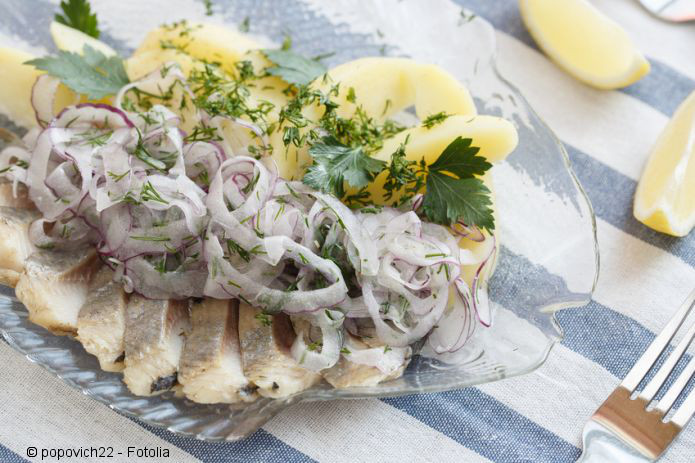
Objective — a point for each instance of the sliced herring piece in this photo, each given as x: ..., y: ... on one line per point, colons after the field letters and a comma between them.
x: 154, y: 338
x: 265, y: 352
x: 210, y: 370
x: 101, y: 321
x: 15, y: 246
x: 347, y: 373
x: 54, y: 286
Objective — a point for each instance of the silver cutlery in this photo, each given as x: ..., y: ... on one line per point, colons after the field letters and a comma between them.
x: 671, y: 10
x: 627, y: 430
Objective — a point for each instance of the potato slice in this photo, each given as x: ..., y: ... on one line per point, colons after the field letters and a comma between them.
x: 16, y: 82
x: 207, y: 42
x: 386, y: 86
x: 496, y: 138
x: 69, y: 39
x: 383, y: 87
x: 141, y: 64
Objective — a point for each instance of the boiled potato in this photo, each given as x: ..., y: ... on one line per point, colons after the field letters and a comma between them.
x: 496, y: 138
x: 141, y: 64
x: 69, y: 39
x: 385, y: 87
x: 207, y: 42
x: 16, y: 82
x: 400, y: 82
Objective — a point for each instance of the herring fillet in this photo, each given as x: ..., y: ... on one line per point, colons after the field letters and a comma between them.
x: 54, y: 286
x: 15, y: 245
x: 154, y: 338
x: 346, y: 374
x: 265, y: 353
x: 210, y: 369
x: 101, y: 321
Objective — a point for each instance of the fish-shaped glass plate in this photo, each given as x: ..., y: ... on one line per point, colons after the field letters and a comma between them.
x: 548, y: 259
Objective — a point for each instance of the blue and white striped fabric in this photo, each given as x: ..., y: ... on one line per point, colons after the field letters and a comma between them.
x: 534, y: 418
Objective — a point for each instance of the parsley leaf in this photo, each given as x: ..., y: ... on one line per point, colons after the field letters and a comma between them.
x: 449, y: 199
x: 293, y: 68
x: 452, y: 191
x: 208, y: 7
x: 93, y: 74
x: 335, y: 163
x: 78, y: 15
x: 461, y: 159
x: 245, y: 25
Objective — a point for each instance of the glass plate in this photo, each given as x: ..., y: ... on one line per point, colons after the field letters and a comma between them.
x: 548, y: 259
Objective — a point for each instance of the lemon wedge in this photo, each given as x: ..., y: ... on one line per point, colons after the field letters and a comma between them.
x: 69, y: 39
x: 665, y: 197
x: 584, y: 42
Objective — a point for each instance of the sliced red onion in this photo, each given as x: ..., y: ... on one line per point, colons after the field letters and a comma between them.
x: 331, y: 343
x: 403, y: 337
x: 481, y: 302
x: 130, y: 185
x: 472, y: 233
x: 368, y: 263
x: 43, y: 98
x: 94, y: 114
x: 387, y: 360
x: 456, y: 326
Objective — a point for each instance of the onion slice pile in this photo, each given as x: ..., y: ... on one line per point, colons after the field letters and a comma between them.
x: 178, y: 219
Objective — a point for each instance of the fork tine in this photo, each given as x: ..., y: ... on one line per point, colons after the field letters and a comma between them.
x: 686, y: 411
x: 660, y: 377
x: 676, y: 388
x: 644, y: 364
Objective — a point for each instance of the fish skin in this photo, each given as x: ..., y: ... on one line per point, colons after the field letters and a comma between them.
x: 154, y: 337
x: 20, y: 201
x: 210, y: 369
x: 54, y: 286
x: 346, y: 374
x: 265, y: 353
x: 101, y: 321
x: 15, y: 245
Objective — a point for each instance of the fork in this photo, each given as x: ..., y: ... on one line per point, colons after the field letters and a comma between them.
x: 671, y: 10
x: 626, y: 430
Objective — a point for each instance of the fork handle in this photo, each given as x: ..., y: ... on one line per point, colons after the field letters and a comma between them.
x: 601, y: 446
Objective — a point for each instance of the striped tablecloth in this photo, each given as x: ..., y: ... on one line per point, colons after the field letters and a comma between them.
x: 534, y: 418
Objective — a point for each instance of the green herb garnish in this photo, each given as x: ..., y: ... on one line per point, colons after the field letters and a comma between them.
x: 93, y: 74
x: 149, y: 193
x: 245, y: 24
x: 452, y: 191
x: 435, y: 119
x: 234, y: 248
x: 118, y: 177
x: 78, y: 15
x: 263, y: 318
x: 151, y: 238
x: 293, y: 68
x: 335, y: 163
x: 314, y: 346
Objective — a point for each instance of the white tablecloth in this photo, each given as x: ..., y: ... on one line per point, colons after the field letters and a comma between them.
x: 537, y: 417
